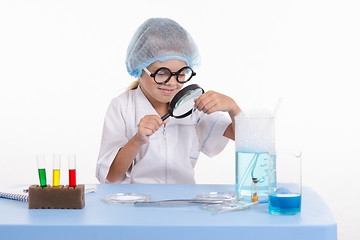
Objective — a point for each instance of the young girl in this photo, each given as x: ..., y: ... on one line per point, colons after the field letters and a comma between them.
x: 137, y: 146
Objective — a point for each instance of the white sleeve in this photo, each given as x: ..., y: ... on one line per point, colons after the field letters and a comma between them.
x: 210, y: 130
x: 113, y: 139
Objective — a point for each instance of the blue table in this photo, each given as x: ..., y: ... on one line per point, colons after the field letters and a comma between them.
x: 100, y: 220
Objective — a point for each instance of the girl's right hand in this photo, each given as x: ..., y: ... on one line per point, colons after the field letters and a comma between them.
x: 147, y: 126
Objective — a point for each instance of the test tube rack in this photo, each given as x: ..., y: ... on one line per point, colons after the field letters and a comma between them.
x: 61, y: 197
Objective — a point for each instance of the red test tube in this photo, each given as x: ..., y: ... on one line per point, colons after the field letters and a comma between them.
x: 72, y: 170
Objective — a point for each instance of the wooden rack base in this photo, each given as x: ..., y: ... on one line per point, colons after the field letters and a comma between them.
x: 62, y: 197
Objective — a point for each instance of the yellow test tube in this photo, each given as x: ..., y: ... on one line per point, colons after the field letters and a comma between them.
x: 56, y: 170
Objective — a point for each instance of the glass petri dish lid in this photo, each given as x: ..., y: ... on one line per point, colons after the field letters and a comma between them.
x: 227, y: 207
x: 222, y: 196
x: 126, y: 198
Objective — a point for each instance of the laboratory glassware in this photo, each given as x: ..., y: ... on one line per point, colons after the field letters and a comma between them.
x: 254, y: 139
x: 285, y: 182
x: 56, y: 169
x: 40, y: 158
x: 72, y: 170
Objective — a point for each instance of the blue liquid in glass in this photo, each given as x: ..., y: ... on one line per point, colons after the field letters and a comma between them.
x: 287, y: 203
x: 249, y: 165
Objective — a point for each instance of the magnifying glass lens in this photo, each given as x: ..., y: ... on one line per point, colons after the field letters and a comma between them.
x: 186, y: 103
x: 183, y: 102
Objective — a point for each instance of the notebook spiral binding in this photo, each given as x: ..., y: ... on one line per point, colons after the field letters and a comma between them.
x: 15, y: 196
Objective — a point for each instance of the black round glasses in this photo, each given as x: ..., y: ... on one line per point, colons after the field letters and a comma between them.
x: 163, y: 75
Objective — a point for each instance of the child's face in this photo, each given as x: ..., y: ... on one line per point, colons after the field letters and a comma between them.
x: 157, y: 93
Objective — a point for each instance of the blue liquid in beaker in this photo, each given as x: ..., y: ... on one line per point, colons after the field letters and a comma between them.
x: 248, y: 166
x: 284, y: 203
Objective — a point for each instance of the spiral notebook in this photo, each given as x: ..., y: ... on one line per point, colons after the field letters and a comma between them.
x: 16, y: 193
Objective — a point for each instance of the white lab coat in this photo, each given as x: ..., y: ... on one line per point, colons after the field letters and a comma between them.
x: 172, y: 151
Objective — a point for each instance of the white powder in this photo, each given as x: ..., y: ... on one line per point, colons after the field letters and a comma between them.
x: 255, y: 132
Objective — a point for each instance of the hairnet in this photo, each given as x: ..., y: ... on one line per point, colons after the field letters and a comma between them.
x: 160, y: 39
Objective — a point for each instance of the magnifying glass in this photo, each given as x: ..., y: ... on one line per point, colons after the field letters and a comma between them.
x: 182, y: 103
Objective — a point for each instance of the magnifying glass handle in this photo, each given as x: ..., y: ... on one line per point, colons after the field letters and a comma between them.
x: 163, y: 118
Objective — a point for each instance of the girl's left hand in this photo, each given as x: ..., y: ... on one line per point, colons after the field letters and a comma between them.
x: 212, y: 101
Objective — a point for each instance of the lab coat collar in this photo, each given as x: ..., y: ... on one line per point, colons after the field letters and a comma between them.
x: 143, y: 107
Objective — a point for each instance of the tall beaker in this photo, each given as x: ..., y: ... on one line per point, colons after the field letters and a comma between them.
x: 254, y: 140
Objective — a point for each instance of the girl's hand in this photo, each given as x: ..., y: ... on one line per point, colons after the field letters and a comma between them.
x: 211, y: 101
x: 147, y: 126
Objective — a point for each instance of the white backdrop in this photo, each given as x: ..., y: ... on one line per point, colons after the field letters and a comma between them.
x: 61, y: 62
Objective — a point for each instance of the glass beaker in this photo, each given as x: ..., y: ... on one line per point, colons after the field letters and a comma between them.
x: 254, y: 139
x: 285, y: 182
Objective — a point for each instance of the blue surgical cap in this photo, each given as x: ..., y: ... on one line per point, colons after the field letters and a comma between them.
x: 160, y: 39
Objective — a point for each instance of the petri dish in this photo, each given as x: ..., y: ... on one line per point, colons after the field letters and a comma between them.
x: 222, y: 196
x: 227, y: 207
x: 126, y: 198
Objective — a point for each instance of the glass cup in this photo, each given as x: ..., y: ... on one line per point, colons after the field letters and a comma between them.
x: 285, y: 182
x: 254, y: 139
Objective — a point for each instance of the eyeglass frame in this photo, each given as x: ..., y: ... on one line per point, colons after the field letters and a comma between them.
x: 171, y: 74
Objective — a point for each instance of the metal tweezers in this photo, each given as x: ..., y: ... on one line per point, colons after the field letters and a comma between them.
x: 177, y: 203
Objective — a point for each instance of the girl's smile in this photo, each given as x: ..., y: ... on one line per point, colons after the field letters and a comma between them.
x: 167, y: 91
